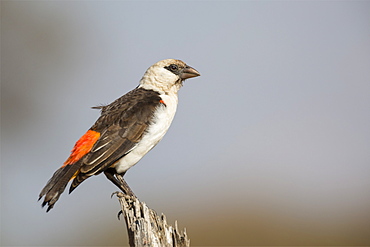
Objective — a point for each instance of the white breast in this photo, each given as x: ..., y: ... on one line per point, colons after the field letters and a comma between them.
x: 163, y: 117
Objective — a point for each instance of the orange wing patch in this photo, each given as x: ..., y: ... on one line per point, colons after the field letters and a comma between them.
x: 82, y: 146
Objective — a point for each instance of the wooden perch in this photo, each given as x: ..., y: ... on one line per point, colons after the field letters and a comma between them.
x: 146, y: 228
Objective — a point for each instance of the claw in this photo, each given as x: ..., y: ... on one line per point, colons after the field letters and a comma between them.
x: 119, y: 194
x: 119, y: 214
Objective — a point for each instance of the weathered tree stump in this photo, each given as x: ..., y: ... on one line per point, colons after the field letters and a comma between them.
x: 146, y: 228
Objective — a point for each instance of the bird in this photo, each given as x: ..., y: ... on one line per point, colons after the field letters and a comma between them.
x: 125, y: 131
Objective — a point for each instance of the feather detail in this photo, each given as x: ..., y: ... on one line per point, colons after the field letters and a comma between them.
x: 82, y: 147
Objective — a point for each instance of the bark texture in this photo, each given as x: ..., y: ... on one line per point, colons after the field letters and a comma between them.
x: 146, y: 228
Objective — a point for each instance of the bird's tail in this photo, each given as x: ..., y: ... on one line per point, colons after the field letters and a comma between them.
x: 57, y: 184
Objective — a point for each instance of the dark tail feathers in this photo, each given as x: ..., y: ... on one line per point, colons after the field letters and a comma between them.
x: 57, y: 184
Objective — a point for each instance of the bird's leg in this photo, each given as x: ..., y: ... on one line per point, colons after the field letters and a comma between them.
x: 125, y: 185
x: 118, y: 180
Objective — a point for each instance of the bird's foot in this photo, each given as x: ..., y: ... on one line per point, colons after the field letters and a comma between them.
x: 119, y: 194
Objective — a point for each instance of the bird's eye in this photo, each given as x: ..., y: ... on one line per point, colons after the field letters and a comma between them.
x: 173, y: 67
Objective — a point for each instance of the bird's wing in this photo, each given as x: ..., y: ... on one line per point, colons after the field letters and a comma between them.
x: 114, y: 143
x: 120, y: 127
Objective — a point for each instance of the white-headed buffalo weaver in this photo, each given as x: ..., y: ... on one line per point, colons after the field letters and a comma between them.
x: 127, y: 129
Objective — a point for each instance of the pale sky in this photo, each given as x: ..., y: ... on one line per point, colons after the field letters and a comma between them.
x: 269, y: 146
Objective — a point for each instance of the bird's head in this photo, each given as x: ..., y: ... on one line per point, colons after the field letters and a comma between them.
x: 167, y: 75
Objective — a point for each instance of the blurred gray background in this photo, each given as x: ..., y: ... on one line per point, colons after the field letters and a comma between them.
x: 270, y: 146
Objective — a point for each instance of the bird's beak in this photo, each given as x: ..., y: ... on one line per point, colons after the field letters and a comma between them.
x: 188, y: 72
